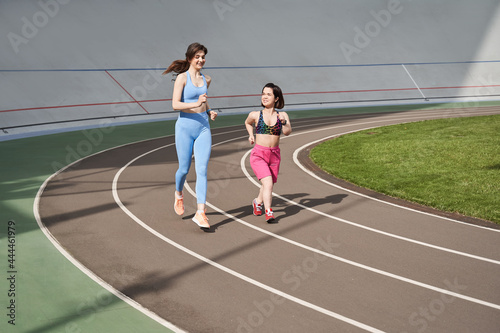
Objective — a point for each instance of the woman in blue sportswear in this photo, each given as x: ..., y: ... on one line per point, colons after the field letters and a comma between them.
x: 192, y: 131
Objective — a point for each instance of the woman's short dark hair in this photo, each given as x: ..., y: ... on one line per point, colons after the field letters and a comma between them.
x: 280, y: 103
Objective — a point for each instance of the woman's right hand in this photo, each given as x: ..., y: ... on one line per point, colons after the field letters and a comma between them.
x: 251, y: 139
x: 202, y: 99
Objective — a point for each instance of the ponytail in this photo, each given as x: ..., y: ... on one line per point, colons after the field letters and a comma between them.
x: 177, y: 66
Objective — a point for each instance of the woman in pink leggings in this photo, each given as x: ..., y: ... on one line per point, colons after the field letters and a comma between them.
x: 265, y: 157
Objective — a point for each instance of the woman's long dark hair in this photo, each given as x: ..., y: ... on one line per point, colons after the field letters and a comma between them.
x: 180, y: 66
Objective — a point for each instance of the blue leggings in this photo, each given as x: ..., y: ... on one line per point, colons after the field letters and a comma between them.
x: 192, y: 134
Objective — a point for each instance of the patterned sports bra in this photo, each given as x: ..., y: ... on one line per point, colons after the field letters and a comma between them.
x: 263, y: 128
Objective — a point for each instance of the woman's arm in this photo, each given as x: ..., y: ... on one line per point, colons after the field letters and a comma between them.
x: 287, y: 128
x: 249, y: 122
x: 212, y: 114
x: 209, y: 80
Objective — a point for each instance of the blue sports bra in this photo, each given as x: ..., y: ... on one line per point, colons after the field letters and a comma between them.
x: 191, y: 92
x: 263, y: 128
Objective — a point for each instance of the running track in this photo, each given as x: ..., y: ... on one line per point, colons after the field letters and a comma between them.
x: 335, y: 261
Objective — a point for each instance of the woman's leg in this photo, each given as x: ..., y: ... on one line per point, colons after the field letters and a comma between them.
x: 266, y: 192
x: 202, y: 150
x: 184, y: 147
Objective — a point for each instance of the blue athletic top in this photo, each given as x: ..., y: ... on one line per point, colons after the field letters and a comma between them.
x: 191, y: 92
x: 263, y: 128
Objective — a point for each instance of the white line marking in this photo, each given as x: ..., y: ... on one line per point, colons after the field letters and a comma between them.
x: 297, y: 162
x: 362, y: 195
x: 347, y: 261
x: 83, y: 268
x: 242, y: 163
x: 78, y: 264
x: 420, y: 284
x: 224, y: 268
x: 372, y: 269
x: 296, y: 152
x: 375, y: 270
x: 366, y: 196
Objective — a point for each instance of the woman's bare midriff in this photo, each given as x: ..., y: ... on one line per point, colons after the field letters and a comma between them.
x: 199, y: 109
x: 267, y: 140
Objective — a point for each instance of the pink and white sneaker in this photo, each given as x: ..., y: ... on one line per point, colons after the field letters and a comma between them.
x: 201, y: 219
x: 179, y: 204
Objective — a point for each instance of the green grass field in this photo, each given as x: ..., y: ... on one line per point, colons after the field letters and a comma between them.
x: 449, y: 164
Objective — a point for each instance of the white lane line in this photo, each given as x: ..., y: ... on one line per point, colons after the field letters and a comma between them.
x: 258, y: 284
x: 372, y: 269
x: 224, y: 268
x: 347, y: 261
x: 78, y: 264
x: 243, y: 167
x: 300, y: 165
x: 83, y: 268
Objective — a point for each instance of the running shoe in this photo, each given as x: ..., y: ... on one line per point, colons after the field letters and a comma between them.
x: 269, y: 215
x: 257, y: 208
x: 179, y: 205
x: 201, y: 219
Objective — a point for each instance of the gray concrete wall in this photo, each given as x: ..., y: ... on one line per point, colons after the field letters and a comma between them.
x: 67, y: 63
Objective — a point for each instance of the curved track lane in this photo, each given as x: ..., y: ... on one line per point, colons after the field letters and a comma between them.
x: 335, y: 261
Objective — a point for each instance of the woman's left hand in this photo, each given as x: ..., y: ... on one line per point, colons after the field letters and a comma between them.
x: 213, y: 114
x: 282, y: 119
